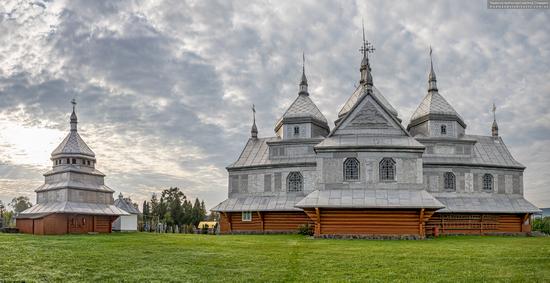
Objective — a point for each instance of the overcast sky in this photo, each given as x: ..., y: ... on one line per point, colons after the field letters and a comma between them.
x: 164, y: 88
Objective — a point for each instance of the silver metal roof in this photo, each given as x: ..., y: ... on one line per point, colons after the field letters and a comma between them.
x: 260, y: 203
x: 485, y: 203
x: 434, y: 103
x: 73, y: 144
x: 303, y: 107
x: 73, y: 207
x: 74, y: 185
x: 125, y: 205
x: 486, y: 151
x: 256, y: 152
x: 361, y: 198
x: 358, y: 93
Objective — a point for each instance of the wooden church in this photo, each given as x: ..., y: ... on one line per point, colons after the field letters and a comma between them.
x: 74, y: 197
x: 369, y: 176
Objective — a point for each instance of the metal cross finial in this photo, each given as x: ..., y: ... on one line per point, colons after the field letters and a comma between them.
x: 73, y: 102
x: 367, y: 46
x: 254, y: 112
x: 303, y: 61
x: 494, y: 111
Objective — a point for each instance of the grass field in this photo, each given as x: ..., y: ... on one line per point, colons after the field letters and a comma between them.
x: 179, y: 257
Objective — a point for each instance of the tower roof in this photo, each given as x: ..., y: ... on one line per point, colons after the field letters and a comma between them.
x: 302, y: 107
x: 73, y: 144
x: 358, y: 93
x: 434, y: 104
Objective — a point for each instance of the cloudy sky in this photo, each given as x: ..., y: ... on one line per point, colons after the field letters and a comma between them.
x: 164, y: 88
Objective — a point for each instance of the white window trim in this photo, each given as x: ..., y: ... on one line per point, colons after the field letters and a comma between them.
x: 246, y: 216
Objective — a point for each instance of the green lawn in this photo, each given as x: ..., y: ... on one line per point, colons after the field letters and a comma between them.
x: 178, y: 257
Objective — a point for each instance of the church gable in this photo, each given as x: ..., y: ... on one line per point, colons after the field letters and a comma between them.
x: 370, y: 118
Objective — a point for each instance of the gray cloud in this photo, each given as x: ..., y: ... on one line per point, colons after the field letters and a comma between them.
x: 165, y: 88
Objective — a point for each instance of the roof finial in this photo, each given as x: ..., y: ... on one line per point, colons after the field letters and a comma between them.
x: 494, y: 128
x: 303, y: 81
x: 432, y: 81
x: 254, y: 130
x: 366, y: 48
x: 74, y: 119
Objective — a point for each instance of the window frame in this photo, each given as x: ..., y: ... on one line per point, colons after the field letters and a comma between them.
x: 296, y: 130
x: 345, y: 171
x: 449, y: 184
x: 300, y: 181
x: 246, y: 216
x: 381, y: 174
x: 443, y: 129
x: 488, y: 182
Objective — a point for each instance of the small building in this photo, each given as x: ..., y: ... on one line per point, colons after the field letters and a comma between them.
x: 126, y: 223
x: 74, y: 197
x: 210, y: 225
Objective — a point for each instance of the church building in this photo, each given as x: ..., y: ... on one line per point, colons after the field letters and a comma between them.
x: 74, y: 197
x: 369, y: 176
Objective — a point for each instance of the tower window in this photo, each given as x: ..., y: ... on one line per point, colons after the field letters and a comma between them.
x: 487, y: 182
x: 74, y: 161
x: 296, y: 131
x: 68, y: 161
x: 387, y: 169
x: 295, y: 182
x: 443, y: 129
x: 449, y: 181
x: 351, y: 169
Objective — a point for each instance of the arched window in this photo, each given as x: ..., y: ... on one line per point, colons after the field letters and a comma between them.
x: 488, y: 182
x: 351, y: 169
x: 443, y: 129
x: 296, y: 130
x: 295, y: 182
x: 387, y: 169
x: 449, y: 181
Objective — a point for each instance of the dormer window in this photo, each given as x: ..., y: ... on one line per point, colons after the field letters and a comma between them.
x: 443, y: 129
x: 296, y: 130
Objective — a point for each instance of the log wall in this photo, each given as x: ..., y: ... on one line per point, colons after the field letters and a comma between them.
x: 478, y: 224
x: 369, y: 222
x: 263, y: 222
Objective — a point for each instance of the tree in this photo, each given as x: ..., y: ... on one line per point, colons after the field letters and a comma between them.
x: 20, y: 203
x: 2, y: 209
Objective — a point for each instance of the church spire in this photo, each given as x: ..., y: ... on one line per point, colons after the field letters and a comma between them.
x: 303, y: 81
x: 366, y: 74
x: 494, y: 128
x: 432, y: 81
x: 74, y: 119
x: 254, y: 130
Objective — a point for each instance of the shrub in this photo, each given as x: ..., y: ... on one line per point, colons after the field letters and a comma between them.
x: 542, y: 225
x: 306, y: 229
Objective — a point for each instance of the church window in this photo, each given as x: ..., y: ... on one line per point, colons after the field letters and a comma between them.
x: 351, y: 169
x: 295, y: 182
x: 449, y: 181
x: 443, y: 129
x: 488, y: 182
x: 68, y: 161
x: 247, y: 216
x: 387, y: 169
x: 88, y: 162
x: 296, y: 131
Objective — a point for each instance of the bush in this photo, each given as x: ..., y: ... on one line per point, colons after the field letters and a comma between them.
x: 542, y: 225
x: 306, y: 229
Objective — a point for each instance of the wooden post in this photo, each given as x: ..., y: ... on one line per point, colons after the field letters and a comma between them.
x: 228, y: 217
x: 318, y: 222
x: 261, y: 220
x: 523, y: 219
x: 420, y: 223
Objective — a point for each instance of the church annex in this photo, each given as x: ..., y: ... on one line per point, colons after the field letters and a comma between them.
x: 371, y: 177
x: 74, y: 197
